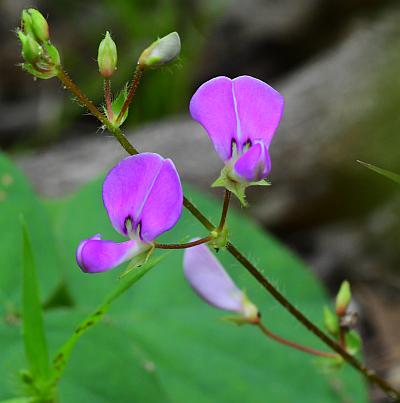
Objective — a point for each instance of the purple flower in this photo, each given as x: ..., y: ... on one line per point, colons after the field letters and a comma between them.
x: 143, y: 198
x: 210, y: 281
x: 240, y: 117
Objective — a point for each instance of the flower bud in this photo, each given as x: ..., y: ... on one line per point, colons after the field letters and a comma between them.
x: 161, y: 52
x: 331, y: 322
x: 343, y: 298
x: 26, y: 23
x: 39, y: 25
x: 31, y: 50
x: 107, y: 56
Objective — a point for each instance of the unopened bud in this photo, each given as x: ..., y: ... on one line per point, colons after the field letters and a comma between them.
x: 107, y: 56
x: 331, y: 321
x: 39, y: 25
x: 161, y: 52
x: 26, y: 23
x: 31, y: 50
x: 343, y: 298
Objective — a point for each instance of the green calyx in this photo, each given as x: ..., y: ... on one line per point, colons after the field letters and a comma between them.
x: 231, y: 182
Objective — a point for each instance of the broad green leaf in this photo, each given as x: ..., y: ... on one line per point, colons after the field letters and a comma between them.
x: 16, y: 198
x: 32, y: 317
x: 198, y: 357
x: 63, y: 355
x: 388, y: 174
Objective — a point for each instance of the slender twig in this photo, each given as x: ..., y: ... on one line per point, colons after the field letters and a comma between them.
x: 225, y: 207
x: 292, y: 344
x: 182, y: 245
x: 107, y: 98
x: 83, y: 99
x: 280, y: 298
x: 132, y: 89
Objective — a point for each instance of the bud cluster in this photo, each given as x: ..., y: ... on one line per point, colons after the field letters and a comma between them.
x: 41, y: 57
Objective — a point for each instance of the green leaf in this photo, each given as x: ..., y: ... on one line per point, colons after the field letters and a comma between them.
x: 388, y: 174
x: 16, y: 198
x: 197, y: 357
x: 107, y: 365
x: 63, y: 355
x: 32, y: 317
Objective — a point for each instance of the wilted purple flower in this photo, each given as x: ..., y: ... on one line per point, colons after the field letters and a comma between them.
x: 240, y: 117
x: 211, y: 282
x: 143, y: 198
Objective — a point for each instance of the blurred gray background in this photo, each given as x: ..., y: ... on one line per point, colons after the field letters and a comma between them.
x: 336, y: 62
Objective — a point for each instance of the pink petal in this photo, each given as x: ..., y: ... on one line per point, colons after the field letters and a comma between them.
x: 213, y: 107
x: 259, y: 109
x: 146, y: 190
x: 95, y: 255
x: 209, y: 280
x: 254, y: 164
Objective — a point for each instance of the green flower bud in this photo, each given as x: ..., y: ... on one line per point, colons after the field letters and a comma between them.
x: 161, y: 52
x: 26, y: 23
x: 331, y: 321
x: 31, y: 50
x: 343, y: 299
x: 39, y: 25
x: 107, y: 56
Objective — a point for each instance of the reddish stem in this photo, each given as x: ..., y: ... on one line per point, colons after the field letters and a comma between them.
x: 132, y: 90
x: 183, y: 245
x: 294, y: 345
x: 107, y: 97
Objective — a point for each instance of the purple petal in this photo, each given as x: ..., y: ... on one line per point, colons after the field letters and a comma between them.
x: 213, y: 107
x: 95, y: 255
x: 210, y: 281
x: 145, y: 189
x: 259, y: 109
x: 254, y: 164
x: 163, y: 205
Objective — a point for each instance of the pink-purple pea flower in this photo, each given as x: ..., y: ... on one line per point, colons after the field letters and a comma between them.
x: 210, y: 281
x: 143, y: 198
x: 240, y: 117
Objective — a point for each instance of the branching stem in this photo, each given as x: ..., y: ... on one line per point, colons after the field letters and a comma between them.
x: 182, y: 245
x: 280, y: 298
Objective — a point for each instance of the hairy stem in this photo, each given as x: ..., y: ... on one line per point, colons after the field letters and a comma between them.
x: 107, y: 97
x: 132, y: 90
x: 182, y: 245
x: 280, y: 298
x: 292, y: 344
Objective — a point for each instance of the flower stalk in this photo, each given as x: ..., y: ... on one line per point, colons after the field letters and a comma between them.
x: 292, y: 344
x: 132, y: 90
